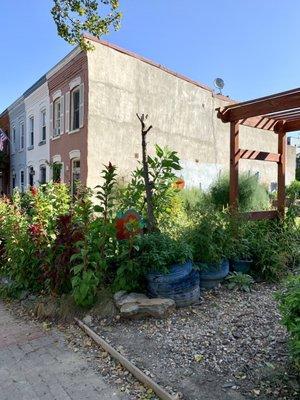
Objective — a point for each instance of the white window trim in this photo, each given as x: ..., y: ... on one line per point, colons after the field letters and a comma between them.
x: 29, y: 167
x: 62, y: 180
x: 71, y: 114
x: 13, y: 139
x: 22, y: 191
x: 42, y: 165
x: 56, y: 158
x: 22, y: 123
x: 55, y: 135
x: 31, y: 117
x: 75, y: 82
x: 72, y: 172
x: 43, y: 111
x: 56, y: 95
x: 74, y: 154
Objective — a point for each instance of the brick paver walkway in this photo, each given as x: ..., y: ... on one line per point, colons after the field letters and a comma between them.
x: 35, y: 365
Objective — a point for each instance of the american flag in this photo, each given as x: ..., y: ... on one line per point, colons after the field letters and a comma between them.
x: 3, y: 138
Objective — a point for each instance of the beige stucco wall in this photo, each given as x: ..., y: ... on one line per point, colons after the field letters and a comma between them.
x: 182, y: 114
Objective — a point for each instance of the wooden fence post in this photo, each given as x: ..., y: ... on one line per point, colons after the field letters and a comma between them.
x: 234, y: 166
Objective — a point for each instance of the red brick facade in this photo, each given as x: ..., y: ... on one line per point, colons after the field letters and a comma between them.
x: 69, y: 142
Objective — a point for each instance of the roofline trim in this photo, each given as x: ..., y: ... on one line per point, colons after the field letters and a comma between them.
x: 156, y: 65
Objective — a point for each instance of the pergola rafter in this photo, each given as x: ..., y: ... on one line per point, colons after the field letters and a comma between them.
x: 279, y: 113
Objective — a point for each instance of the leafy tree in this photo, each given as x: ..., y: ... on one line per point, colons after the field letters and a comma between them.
x: 73, y: 18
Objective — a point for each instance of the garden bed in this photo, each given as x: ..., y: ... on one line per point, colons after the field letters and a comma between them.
x: 230, y: 346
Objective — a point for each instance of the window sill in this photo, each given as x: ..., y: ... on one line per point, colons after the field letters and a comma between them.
x: 30, y: 148
x: 74, y: 131
x: 42, y: 142
x: 20, y: 151
x: 56, y: 137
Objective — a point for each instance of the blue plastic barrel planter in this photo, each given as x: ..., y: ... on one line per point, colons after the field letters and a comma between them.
x: 214, y: 274
x: 243, y: 266
x: 181, y: 284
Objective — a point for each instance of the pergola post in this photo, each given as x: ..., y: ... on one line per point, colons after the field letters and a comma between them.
x: 234, y: 166
x: 281, y: 171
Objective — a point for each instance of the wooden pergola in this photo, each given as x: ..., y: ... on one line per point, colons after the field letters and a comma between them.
x: 279, y: 113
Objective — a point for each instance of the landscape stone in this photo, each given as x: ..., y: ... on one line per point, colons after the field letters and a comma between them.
x: 121, y: 298
x: 144, y: 307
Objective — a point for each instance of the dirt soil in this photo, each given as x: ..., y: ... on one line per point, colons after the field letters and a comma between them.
x: 230, y: 346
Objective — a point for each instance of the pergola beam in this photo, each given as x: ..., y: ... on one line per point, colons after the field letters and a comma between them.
x: 259, y: 155
x: 261, y: 106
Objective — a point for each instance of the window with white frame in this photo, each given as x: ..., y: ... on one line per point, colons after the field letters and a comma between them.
x: 43, y: 125
x: 75, y: 108
x: 13, y: 138
x: 22, y: 181
x: 75, y: 177
x: 13, y: 179
x: 43, y: 178
x: 31, y: 174
x: 31, y: 131
x: 57, y: 117
x: 22, y: 136
x: 57, y: 172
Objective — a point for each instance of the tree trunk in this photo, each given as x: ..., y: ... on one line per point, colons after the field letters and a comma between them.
x: 152, y: 226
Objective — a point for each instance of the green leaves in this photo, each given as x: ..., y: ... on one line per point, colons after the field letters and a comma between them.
x: 162, y: 167
x: 289, y: 305
x: 239, y: 281
x: 105, y: 194
x: 74, y: 18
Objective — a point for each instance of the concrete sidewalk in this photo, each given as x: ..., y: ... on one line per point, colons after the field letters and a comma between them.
x: 35, y: 365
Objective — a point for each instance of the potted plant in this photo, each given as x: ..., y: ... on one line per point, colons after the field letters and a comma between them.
x: 209, y: 238
x: 167, y: 264
x: 241, y: 259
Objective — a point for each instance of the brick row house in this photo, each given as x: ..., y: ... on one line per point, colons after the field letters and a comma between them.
x: 82, y: 114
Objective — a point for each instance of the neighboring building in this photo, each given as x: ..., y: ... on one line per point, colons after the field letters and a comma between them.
x: 90, y: 102
x: 294, y: 141
x: 17, y: 118
x: 4, y: 155
x: 36, y: 101
x: 68, y: 88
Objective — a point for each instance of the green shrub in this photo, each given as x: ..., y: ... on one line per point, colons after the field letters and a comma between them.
x: 252, y: 194
x: 209, y: 237
x: 162, y: 170
x: 239, y: 281
x: 289, y: 305
x: 192, y: 199
x: 274, y: 247
x: 293, y: 190
x: 154, y: 251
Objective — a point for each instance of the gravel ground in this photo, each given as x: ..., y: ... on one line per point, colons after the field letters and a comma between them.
x: 230, y: 346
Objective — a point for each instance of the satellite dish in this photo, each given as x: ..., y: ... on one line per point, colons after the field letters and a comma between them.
x: 219, y: 84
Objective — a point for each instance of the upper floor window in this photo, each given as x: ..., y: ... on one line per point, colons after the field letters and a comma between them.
x: 75, y: 109
x: 13, y: 138
x: 22, y: 136
x: 31, y: 131
x: 43, y: 126
x: 57, y: 117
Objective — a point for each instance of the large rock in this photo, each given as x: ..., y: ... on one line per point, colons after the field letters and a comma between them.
x: 121, y: 298
x: 157, y: 308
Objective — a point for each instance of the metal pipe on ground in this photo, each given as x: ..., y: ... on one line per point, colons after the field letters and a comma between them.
x: 135, y: 371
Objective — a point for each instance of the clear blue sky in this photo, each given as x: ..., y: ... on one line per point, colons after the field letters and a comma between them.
x: 254, y: 45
